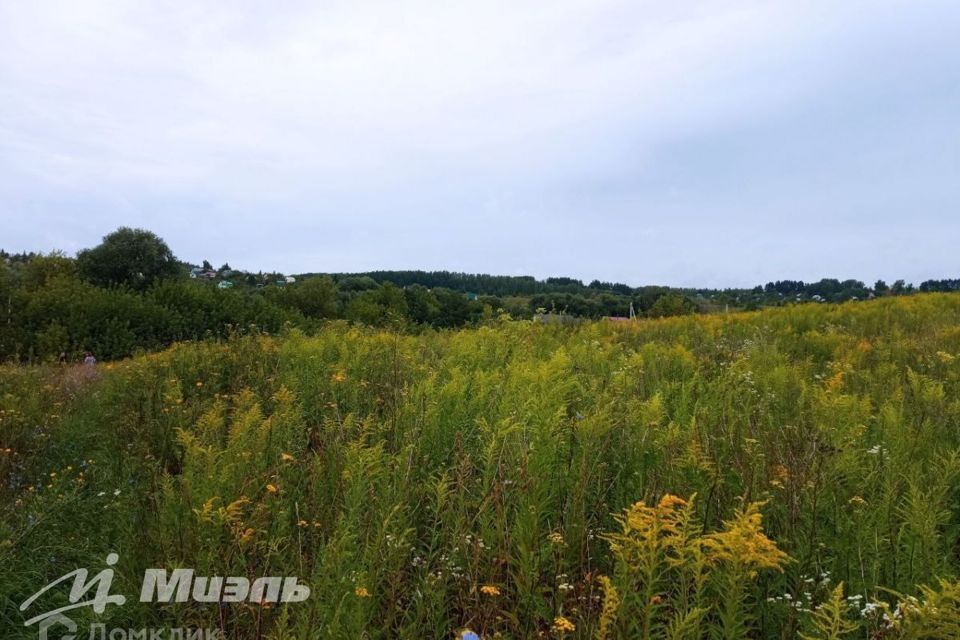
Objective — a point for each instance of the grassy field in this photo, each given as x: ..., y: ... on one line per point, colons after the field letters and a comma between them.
x: 764, y: 475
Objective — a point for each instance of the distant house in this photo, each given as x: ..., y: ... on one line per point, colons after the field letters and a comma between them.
x: 195, y: 272
x: 224, y: 284
x: 471, y: 296
x: 290, y: 279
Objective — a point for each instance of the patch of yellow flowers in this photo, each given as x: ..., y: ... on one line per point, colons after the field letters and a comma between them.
x: 663, y: 555
x: 666, y: 527
x: 562, y: 625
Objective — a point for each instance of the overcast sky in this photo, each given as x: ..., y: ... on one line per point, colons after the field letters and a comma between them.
x: 648, y: 142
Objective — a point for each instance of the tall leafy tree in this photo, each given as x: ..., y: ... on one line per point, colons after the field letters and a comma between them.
x: 132, y: 257
x: 314, y: 297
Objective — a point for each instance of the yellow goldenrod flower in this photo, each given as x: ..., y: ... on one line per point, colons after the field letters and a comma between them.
x: 743, y: 543
x: 361, y: 592
x: 207, y: 507
x: 489, y: 590
x: 563, y: 625
x: 556, y: 538
x: 286, y: 457
x: 233, y: 511
x: 272, y: 488
x: 670, y: 501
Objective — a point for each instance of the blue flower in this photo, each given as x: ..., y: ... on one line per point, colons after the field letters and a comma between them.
x: 467, y: 634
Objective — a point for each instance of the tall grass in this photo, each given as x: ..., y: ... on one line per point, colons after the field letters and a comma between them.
x: 518, y: 480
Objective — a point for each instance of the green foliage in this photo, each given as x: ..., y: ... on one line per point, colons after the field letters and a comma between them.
x: 135, y: 258
x: 671, y: 305
x: 829, y: 620
x: 384, y: 305
x: 516, y: 478
x: 313, y: 297
x: 935, y: 614
x: 128, y: 295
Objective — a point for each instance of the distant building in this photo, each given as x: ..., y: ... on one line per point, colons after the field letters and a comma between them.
x: 224, y: 284
x: 290, y: 279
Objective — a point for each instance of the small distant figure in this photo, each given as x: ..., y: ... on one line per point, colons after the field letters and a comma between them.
x: 89, y: 360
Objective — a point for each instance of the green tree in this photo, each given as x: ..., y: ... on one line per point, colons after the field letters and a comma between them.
x: 672, y: 304
x: 132, y: 257
x: 315, y: 297
x: 421, y: 303
x: 42, y: 271
x: 384, y: 305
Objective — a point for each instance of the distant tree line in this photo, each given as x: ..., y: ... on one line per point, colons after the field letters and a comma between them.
x: 130, y: 293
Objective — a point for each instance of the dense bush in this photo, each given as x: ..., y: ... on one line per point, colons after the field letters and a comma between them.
x: 49, y: 311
